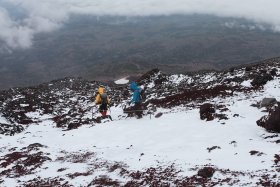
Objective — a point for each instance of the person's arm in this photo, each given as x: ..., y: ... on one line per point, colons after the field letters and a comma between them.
x: 108, y: 100
x: 97, y: 99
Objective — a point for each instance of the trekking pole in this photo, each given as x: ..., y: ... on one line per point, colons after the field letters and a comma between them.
x: 149, y: 112
x: 109, y: 109
x: 123, y: 106
x: 134, y: 111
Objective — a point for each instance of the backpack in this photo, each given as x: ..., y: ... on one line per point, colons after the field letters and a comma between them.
x: 104, y: 99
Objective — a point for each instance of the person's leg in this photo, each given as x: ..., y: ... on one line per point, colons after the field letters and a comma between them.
x: 128, y: 111
x: 104, y: 110
x: 104, y: 113
x: 100, y: 108
x: 138, y: 110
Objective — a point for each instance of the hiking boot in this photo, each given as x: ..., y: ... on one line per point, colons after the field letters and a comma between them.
x: 108, y: 116
x: 138, y: 116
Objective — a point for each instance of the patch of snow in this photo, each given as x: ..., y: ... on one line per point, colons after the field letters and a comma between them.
x: 177, y: 79
x: 122, y: 81
x: 3, y: 120
x: 38, y: 115
x: 272, y: 88
x: 180, y: 137
x: 151, y: 85
x: 208, y: 78
x: 24, y: 105
x: 246, y: 83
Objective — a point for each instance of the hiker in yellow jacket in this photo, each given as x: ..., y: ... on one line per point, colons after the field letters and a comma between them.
x: 103, y: 100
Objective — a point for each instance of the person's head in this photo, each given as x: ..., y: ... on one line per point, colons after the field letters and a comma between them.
x: 101, y: 90
x: 133, y: 86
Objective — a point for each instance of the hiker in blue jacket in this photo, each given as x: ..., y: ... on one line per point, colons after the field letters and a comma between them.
x: 136, y: 93
x: 136, y: 108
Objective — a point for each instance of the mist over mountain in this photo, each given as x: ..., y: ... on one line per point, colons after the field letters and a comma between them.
x: 106, y: 47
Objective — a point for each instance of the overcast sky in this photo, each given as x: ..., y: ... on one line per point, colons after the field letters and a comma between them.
x: 20, y: 20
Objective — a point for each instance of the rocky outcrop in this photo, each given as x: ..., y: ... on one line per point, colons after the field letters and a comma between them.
x: 271, y: 122
x: 268, y: 102
x: 260, y: 80
x: 10, y: 130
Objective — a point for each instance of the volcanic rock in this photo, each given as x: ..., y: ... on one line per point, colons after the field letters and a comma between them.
x: 272, y: 121
x: 207, y: 112
x: 206, y: 172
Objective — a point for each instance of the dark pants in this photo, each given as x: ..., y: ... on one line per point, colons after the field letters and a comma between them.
x: 136, y: 109
x: 103, y: 109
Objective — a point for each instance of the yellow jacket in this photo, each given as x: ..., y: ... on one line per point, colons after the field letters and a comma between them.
x: 98, y: 97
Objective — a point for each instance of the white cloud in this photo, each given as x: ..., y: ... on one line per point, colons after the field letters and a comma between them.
x: 18, y: 32
x: 48, y: 15
x: 13, y: 34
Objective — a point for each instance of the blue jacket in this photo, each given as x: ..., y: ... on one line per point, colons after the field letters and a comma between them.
x: 136, y: 92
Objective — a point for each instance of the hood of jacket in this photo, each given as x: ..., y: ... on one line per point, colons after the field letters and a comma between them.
x: 133, y: 86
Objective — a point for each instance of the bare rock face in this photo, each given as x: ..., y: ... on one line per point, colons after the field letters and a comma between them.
x: 271, y: 122
x: 207, y: 112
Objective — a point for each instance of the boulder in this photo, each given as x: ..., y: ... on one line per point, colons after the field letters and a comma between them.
x: 267, y: 102
x: 271, y: 122
x: 98, y: 119
x: 206, y: 172
x: 273, y: 72
x: 207, y: 111
x: 158, y: 115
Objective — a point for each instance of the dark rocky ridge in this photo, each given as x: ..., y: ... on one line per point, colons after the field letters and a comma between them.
x: 77, y: 95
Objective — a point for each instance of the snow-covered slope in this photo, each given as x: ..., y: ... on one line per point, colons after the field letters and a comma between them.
x: 58, y: 139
